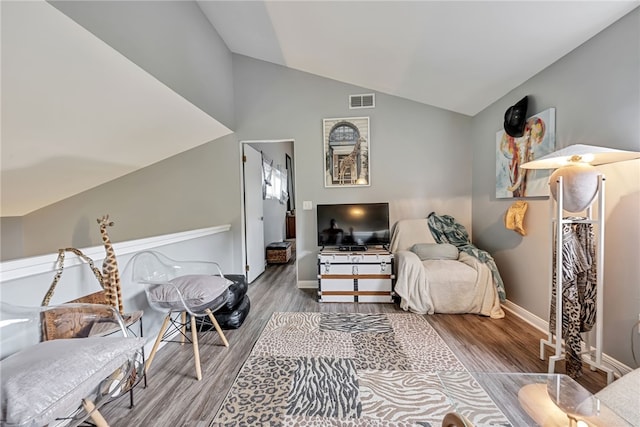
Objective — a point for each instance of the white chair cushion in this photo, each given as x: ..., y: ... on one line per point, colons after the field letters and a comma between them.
x: 48, y: 381
x: 197, y: 290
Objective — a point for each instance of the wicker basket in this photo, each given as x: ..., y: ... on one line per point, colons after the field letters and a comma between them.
x: 279, y: 253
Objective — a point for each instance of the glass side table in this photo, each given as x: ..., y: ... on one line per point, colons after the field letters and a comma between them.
x: 547, y: 400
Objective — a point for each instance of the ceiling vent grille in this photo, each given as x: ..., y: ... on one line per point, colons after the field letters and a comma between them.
x: 362, y: 101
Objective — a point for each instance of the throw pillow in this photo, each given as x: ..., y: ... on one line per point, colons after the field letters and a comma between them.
x: 426, y: 251
x: 49, y: 380
x: 198, y: 291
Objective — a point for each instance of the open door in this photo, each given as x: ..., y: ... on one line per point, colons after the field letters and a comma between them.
x: 253, y: 211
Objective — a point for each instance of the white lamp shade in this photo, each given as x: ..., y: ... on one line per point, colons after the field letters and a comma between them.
x: 579, y: 186
x: 580, y: 153
x: 579, y: 177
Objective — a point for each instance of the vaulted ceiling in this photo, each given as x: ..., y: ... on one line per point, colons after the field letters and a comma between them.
x: 457, y: 55
x: 66, y: 129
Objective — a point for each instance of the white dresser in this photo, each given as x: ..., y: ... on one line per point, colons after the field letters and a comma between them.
x: 355, y: 276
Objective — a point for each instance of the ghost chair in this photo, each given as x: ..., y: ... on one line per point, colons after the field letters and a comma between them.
x: 48, y: 381
x: 178, y: 289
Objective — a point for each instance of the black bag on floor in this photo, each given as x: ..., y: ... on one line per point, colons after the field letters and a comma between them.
x: 235, y: 292
x: 227, y: 319
x: 232, y: 314
x: 232, y: 319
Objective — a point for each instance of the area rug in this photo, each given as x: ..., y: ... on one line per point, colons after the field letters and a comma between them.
x: 353, y: 369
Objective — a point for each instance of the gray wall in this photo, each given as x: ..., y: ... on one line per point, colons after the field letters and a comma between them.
x: 198, y: 188
x: 12, y: 241
x: 171, y: 40
x: 174, y: 42
x: 412, y: 149
x: 419, y: 154
x: 596, y: 93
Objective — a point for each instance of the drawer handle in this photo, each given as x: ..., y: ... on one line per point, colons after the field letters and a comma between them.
x: 354, y: 270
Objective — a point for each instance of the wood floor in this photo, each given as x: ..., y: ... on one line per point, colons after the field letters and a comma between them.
x: 174, y: 397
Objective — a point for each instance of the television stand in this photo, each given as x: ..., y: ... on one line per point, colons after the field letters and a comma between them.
x: 351, y: 276
x: 355, y: 248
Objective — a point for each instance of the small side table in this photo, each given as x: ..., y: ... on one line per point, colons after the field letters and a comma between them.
x: 532, y: 399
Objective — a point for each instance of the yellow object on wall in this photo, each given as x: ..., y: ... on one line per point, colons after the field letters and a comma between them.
x: 514, y: 218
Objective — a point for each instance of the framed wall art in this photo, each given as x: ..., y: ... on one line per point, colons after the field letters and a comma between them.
x: 539, y: 139
x: 346, y: 148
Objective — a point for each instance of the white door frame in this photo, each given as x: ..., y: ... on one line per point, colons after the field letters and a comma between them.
x: 243, y: 229
x: 254, y: 204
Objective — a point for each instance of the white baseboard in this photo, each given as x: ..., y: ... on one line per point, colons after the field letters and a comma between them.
x: 535, y: 321
x: 543, y: 326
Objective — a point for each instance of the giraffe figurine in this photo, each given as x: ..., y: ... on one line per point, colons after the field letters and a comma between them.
x: 110, y: 273
x: 349, y: 163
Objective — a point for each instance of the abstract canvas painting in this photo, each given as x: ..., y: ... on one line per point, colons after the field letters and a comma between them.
x: 539, y: 139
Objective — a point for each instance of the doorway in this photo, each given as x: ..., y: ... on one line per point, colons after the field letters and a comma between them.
x: 268, y: 182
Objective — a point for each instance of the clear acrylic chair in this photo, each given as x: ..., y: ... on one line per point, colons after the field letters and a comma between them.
x: 50, y: 381
x: 196, y: 288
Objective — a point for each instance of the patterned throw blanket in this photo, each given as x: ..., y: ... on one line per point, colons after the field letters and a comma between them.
x: 578, y: 291
x: 445, y: 229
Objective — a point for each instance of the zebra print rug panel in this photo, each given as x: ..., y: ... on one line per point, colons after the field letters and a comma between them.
x: 353, y: 369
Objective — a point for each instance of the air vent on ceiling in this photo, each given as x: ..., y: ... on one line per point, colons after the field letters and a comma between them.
x: 367, y: 100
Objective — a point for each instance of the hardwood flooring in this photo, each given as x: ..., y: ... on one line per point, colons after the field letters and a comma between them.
x: 173, y: 396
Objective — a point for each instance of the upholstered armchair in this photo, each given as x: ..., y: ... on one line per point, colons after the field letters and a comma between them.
x: 439, y: 278
x: 64, y: 381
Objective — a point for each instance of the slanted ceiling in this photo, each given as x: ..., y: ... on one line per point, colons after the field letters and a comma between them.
x: 76, y: 113
x: 457, y: 55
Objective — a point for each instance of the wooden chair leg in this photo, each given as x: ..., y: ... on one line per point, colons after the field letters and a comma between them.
x: 95, y: 415
x: 183, y: 320
x: 215, y: 325
x: 163, y: 328
x: 196, y: 350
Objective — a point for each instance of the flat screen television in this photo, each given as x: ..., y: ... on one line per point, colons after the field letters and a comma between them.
x: 353, y: 226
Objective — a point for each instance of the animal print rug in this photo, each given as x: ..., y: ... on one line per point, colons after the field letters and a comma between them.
x: 352, y: 369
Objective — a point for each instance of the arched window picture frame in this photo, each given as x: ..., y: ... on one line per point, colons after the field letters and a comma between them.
x: 346, y: 148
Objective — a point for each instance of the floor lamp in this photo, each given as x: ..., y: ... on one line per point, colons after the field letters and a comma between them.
x: 574, y: 185
x: 575, y: 164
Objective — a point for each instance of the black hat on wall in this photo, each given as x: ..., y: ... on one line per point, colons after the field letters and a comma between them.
x: 515, y: 118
